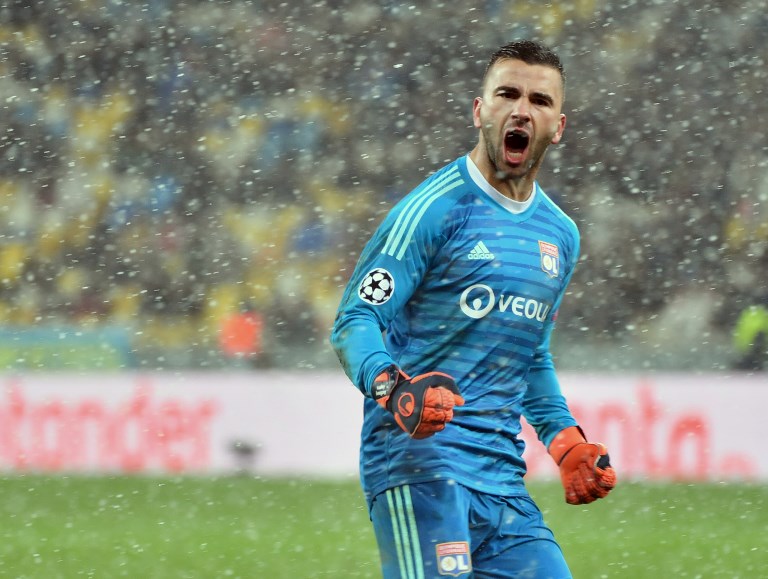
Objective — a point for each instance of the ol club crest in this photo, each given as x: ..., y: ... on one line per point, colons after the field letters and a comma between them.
x: 550, y: 258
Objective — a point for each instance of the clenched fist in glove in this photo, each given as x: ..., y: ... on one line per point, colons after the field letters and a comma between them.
x: 585, y: 468
x: 421, y: 405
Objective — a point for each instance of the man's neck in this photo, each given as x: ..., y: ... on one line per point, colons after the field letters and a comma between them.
x: 517, y: 189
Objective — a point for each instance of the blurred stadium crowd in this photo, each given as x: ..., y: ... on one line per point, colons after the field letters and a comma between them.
x: 182, y: 171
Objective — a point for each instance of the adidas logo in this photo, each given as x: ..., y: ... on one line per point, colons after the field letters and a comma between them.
x: 480, y: 251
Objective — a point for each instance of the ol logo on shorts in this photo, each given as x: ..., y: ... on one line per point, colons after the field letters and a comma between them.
x: 453, y: 558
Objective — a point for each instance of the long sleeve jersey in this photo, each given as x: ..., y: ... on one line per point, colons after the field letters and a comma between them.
x: 460, y: 280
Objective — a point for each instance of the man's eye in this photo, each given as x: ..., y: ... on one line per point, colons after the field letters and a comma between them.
x: 541, y: 101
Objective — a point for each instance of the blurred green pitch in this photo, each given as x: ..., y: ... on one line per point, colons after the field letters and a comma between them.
x: 290, y: 528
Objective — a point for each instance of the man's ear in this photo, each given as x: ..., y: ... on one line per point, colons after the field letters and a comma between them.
x: 476, y: 105
x: 560, y: 128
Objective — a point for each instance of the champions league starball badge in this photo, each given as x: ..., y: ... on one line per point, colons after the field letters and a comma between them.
x: 377, y: 287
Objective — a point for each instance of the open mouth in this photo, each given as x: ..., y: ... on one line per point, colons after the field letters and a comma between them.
x: 516, y: 143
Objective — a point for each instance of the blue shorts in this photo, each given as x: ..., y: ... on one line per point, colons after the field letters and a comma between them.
x: 442, y: 529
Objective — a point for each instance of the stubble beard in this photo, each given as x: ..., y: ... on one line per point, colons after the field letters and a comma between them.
x: 495, y: 154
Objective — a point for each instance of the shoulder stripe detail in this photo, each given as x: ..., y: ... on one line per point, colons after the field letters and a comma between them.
x: 557, y: 209
x: 406, y: 534
x: 402, y: 232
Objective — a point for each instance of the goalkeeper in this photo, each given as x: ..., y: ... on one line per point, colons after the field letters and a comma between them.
x: 445, y: 328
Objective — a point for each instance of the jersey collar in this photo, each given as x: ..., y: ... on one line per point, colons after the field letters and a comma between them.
x: 511, y: 205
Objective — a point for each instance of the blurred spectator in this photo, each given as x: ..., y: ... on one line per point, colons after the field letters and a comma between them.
x: 241, y: 336
x: 750, y: 338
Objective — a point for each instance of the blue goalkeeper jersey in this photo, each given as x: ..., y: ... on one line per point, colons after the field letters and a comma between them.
x: 458, y: 279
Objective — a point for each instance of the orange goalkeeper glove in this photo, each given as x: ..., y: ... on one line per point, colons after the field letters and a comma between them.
x: 585, y: 468
x: 421, y: 405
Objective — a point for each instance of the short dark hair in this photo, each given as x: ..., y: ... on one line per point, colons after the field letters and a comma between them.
x: 530, y: 52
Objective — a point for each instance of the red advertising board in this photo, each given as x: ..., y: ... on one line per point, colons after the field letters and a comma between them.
x: 679, y: 426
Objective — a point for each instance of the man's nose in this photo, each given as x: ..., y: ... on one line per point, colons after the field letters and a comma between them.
x: 521, y: 111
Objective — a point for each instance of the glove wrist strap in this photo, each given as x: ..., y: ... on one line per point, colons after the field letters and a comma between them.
x: 564, y: 441
x: 385, y: 382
